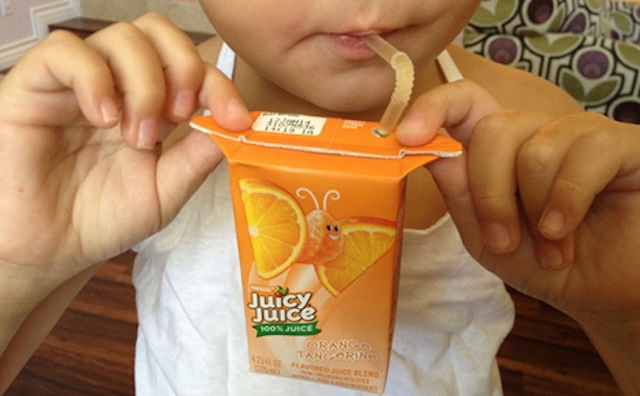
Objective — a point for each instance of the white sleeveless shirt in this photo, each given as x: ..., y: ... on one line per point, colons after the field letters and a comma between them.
x: 452, y: 314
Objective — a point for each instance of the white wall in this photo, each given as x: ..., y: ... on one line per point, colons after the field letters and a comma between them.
x: 186, y: 14
x: 28, y: 24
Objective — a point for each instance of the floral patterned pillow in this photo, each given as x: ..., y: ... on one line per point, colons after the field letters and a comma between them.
x: 569, y: 42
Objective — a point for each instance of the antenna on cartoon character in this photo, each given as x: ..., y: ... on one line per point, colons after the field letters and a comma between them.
x: 302, y: 191
x: 333, y: 194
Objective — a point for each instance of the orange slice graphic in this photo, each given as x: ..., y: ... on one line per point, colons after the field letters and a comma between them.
x: 364, y: 243
x: 277, y: 226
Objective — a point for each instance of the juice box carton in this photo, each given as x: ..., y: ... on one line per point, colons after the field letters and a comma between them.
x: 318, y: 204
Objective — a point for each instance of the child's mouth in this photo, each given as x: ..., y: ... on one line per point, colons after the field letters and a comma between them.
x: 350, y: 40
x: 350, y: 45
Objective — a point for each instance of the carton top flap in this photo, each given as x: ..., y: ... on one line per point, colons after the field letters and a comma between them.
x: 326, y: 136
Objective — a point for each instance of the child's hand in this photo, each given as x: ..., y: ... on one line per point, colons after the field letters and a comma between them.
x: 549, y: 203
x: 82, y: 177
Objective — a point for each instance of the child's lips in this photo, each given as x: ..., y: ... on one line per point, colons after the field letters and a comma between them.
x: 350, y: 40
x: 351, y: 46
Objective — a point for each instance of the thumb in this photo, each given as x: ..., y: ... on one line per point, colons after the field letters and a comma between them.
x: 182, y: 169
x: 456, y: 107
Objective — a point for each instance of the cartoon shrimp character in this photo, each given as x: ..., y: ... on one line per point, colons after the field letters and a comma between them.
x: 324, y: 233
x: 282, y: 235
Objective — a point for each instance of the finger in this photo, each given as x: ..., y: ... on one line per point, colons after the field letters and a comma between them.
x: 488, y: 188
x: 537, y: 164
x: 183, y: 67
x: 456, y: 106
x: 559, y: 179
x: 220, y: 95
x: 594, y: 159
x: 492, y: 152
x: 518, y: 269
x: 139, y: 77
x: 182, y: 169
x: 452, y: 179
x: 48, y: 82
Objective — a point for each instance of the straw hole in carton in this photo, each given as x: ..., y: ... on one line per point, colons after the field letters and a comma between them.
x: 378, y: 132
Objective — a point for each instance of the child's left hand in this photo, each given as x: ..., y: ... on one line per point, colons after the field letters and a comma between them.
x: 549, y: 203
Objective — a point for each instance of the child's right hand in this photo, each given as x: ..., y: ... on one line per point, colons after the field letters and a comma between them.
x: 82, y: 177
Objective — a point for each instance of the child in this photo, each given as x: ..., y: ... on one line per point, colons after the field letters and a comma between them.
x: 527, y: 198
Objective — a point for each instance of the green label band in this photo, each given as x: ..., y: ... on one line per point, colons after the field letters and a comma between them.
x: 288, y: 329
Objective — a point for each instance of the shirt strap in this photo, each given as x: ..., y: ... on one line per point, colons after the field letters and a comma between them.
x: 448, y: 67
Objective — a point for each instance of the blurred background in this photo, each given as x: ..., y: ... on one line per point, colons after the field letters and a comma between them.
x: 24, y: 22
x: 589, y: 48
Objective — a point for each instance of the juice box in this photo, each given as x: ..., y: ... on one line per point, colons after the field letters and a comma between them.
x: 318, y: 204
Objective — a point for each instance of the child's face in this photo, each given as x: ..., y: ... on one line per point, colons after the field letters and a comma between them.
x: 311, y: 50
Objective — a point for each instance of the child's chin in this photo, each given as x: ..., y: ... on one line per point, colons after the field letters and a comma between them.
x: 350, y: 102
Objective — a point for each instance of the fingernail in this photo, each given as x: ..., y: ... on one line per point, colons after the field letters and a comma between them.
x: 412, y: 124
x: 110, y: 113
x: 552, y: 223
x: 497, y: 238
x: 147, y: 134
x: 184, y: 104
x: 550, y: 255
x: 237, y: 110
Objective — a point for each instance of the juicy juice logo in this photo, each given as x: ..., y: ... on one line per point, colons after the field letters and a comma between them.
x: 283, y: 313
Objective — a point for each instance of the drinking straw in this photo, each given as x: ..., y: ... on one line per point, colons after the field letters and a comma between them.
x: 403, y: 67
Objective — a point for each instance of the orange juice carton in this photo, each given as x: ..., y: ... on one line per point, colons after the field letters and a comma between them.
x: 318, y: 204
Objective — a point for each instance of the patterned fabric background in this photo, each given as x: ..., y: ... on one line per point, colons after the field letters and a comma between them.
x: 593, y: 55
